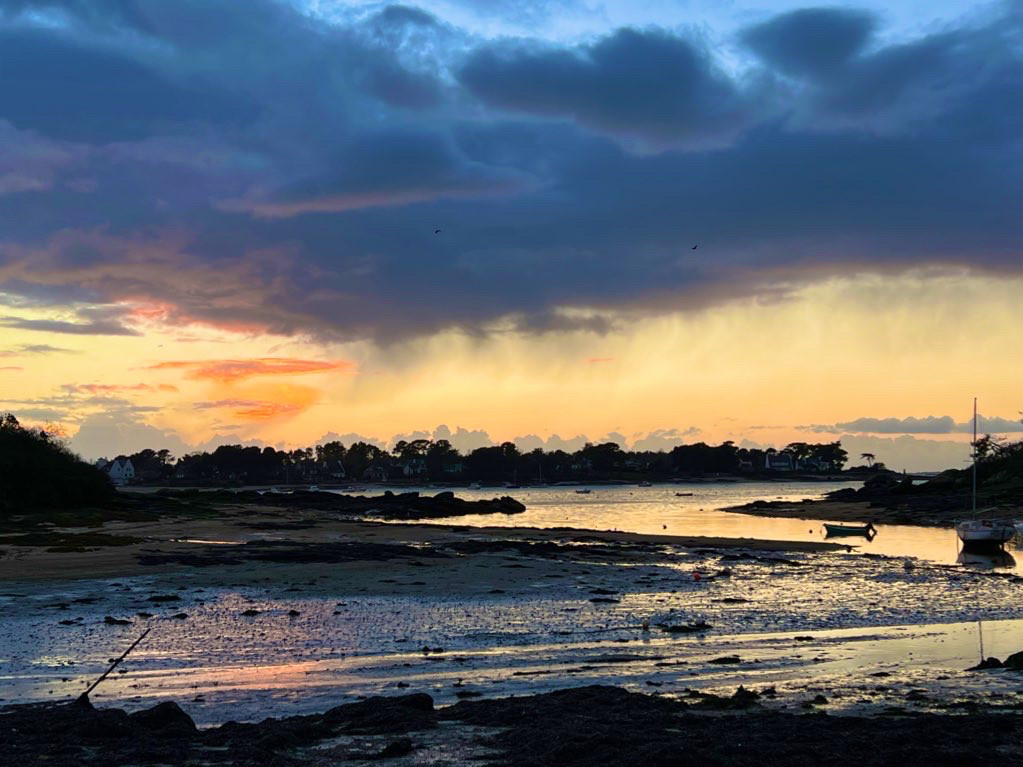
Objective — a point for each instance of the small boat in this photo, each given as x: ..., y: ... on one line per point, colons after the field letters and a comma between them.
x: 831, y: 530
x: 644, y: 483
x: 683, y: 495
x: 314, y: 488
x: 983, y: 533
x: 584, y: 491
x: 474, y: 485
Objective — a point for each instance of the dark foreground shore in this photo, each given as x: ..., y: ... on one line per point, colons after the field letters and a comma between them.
x: 580, y: 727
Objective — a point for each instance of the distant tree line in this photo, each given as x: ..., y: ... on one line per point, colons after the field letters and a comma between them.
x: 439, y: 461
x: 37, y: 470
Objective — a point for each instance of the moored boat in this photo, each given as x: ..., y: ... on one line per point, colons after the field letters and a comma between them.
x: 832, y: 530
x: 584, y: 491
x: 985, y: 533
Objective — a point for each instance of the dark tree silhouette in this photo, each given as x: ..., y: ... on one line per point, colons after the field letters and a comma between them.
x: 38, y: 471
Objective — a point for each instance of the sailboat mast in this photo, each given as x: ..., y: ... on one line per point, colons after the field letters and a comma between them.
x: 974, y: 456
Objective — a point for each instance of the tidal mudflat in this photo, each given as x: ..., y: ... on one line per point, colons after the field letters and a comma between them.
x: 285, y: 611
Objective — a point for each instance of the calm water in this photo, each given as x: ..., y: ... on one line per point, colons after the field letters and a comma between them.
x: 659, y: 510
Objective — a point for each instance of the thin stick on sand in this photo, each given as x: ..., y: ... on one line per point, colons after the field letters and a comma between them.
x: 84, y: 697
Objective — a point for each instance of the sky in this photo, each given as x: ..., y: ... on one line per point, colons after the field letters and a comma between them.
x: 276, y: 222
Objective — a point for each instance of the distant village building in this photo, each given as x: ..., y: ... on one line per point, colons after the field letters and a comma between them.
x: 815, y: 464
x: 120, y: 470
x: 332, y: 469
x: 375, y: 473
x: 778, y: 462
x: 745, y: 465
x: 414, y: 467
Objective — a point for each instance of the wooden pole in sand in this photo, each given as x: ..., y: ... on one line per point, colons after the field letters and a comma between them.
x: 84, y: 697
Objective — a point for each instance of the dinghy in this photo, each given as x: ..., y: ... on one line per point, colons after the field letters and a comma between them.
x: 832, y: 530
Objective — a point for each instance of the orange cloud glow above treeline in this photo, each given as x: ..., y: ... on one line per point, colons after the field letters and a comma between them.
x: 228, y: 371
x: 769, y: 372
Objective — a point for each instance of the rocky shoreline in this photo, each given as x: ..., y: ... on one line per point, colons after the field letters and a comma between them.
x: 389, y: 505
x: 891, y: 499
x: 580, y: 727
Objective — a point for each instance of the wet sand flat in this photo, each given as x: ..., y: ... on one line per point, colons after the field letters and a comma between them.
x: 241, y: 524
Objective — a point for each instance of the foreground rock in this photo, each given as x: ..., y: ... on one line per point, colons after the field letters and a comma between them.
x: 583, y: 727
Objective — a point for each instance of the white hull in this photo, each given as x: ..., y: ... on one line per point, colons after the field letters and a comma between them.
x: 985, y: 532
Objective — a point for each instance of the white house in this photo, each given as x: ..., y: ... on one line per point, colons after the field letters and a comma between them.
x: 120, y: 470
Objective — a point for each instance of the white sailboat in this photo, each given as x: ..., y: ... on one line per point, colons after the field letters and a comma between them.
x: 983, y: 533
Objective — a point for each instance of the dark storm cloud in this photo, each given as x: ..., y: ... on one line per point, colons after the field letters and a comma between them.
x: 650, y: 84
x: 67, y: 90
x: 811, y: 42
x: 385, y: 168
x: 246, y: 165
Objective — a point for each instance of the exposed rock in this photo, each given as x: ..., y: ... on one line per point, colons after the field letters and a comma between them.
x: 987, y: 663
x: 1015, y: 660
x: 165, y: 718
x: 390, y: 505
x: 582, y: 727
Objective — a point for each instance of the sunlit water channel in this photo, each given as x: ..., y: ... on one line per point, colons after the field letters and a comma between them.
x: 660, y: 510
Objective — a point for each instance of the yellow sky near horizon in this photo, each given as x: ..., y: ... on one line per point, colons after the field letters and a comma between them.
x: 870, y: 346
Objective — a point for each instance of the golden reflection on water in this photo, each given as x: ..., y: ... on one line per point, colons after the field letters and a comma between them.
x: 658, y: 510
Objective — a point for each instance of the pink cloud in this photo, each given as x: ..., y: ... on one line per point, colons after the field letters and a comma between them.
x: 228, y: 371
x: 253, y: 410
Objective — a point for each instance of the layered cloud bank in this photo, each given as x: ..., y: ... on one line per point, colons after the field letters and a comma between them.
x: 266, y: 219
x: 252, y: 164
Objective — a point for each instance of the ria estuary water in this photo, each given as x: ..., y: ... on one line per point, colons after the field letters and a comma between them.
x: 863, y: 630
